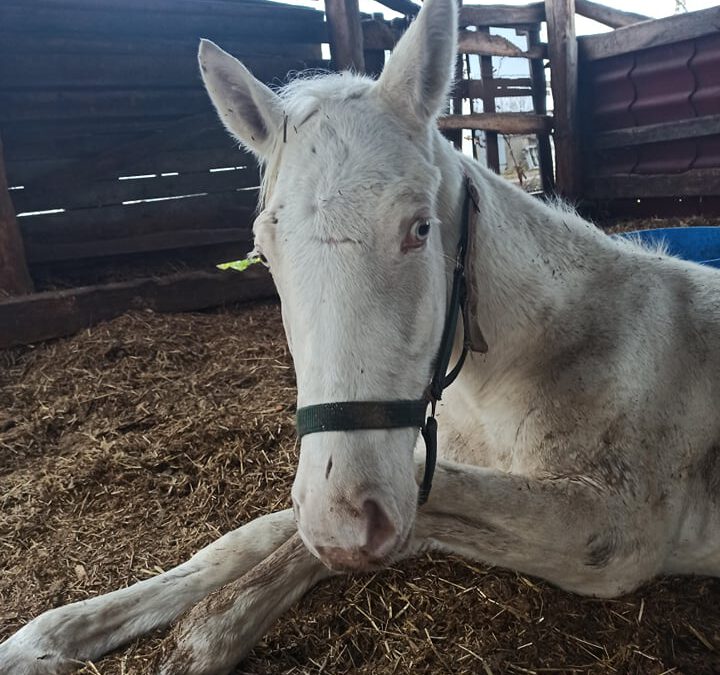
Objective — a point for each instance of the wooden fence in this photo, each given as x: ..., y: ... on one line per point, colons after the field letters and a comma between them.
x: 650, y: 109
x: 109, y: 137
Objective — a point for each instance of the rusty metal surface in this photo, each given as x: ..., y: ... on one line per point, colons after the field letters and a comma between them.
x: 654, y: 86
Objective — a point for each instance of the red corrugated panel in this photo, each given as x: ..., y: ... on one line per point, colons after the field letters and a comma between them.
x: 652, y: 86
x: 612, y: 92
x: 663, y: 84
x: 705, y: 65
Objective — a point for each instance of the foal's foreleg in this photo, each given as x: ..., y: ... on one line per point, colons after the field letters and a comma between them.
x: 219, y: 632
x: 572, y: 531
x: 61, y: 639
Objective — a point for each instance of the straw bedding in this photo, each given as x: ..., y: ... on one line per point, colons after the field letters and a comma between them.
x: 127, y: 447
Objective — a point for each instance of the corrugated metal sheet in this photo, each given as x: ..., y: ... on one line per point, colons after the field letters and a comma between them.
x: 653, y: 86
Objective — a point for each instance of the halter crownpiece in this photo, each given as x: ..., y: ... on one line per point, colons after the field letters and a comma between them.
x: 354, y: 415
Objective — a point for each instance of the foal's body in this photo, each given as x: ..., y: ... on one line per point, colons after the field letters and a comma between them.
x: 584, y: 447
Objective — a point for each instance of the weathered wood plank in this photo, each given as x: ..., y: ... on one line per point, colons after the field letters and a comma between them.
x: 17, y: 71
x: 44, y: 196
x: 501, y: 15
x: 82, y: 105
x: 478, y: 42
x: 694, y: 183
x: 539, y: 95
x: 219, y: 212
x: 492, y: 149
x: 402, y: 6
x: 346, y: 36
x: 378, y: 34
x: 650, y: 34
x: 564, y: 81
x: 503, y: 123
x: 27, y: 172
x: 236, y: 20
x: 14, y: 275
x: 172, y: 136
x: 609, y: 16
x: 127, y: 45
x: 40, y: 252
x: 42, y: 316
x: 652, y: 133
x: 500, y: 87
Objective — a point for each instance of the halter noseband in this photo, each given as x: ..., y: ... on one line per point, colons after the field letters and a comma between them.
x: 352, y: 415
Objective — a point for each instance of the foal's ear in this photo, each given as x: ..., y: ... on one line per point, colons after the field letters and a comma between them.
x: 249, y: 110
x: 417, y: 79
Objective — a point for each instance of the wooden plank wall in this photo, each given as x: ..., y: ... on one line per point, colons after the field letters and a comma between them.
x: 650, y: 109
x: 94, y: 91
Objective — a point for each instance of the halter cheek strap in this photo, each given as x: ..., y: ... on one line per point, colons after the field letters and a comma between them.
x: 354, y: 415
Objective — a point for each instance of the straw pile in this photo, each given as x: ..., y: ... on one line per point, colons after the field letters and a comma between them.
x: 127, y: 447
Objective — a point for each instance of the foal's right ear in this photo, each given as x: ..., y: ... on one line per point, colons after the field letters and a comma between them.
x: 250, y: 111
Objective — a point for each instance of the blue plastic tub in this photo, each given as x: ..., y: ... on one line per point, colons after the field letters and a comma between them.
x: 699, y: 244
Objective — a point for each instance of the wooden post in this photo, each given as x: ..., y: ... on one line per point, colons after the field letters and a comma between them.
x: 346, y: 39
x: 539, y: 95
x: 14, y: 276
x: 562, y: 47
x: 492, y: 151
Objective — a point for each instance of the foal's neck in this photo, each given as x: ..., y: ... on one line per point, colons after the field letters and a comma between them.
x: 530, y: 258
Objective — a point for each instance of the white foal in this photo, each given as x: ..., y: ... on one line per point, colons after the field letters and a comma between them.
x: 583, y: 447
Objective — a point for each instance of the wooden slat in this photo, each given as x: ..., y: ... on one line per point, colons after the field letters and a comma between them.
x: 609, y: 16
x: 17, y: 71
x: 564, y: 81
x: 79, y: 105
x: 42, y: 316
x: 492, y: 149
x: 378, y: 34
x: 650, y: 34
x: 192, y: 160
x: 698, y: 182
x: 652, y: 133
x: 476, y: 42
x: 501, y: 15
x: 39, y: 252
x: 539, y: 89
x: 498, y: 87
x: 227, y: 211
x: 402, y: 6
x: 214, y: 8
x: 14, y: 275
x: 346, y: 36
x: 236, y: 20
x: 117, y: 159
x: 503, y: 123
x: 110, y: 192
x: 122, y: 44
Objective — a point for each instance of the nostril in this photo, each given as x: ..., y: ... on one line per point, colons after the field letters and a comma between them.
x: 381, y: 532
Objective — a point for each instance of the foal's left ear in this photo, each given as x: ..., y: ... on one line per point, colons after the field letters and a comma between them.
x: 249, y: 110
x: 417, y: 79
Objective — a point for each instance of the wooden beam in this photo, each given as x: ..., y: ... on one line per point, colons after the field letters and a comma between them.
x: 648, y: 34
x: 693, y: 183
x: 609, y: 16
x: 502, y: 123
x: 492, y: 149
x: 502, y: 15
x: 402, y: 6
x: 346, y: 36
x: 564, y: 80
x: 14, y: 275
x: 539, y: 95
x: 42, y: 316
x: 696, y: 127
x: 481, y: 42
x: 500, y: 87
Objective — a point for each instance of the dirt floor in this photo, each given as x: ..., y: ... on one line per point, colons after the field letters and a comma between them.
x: 126, y: 448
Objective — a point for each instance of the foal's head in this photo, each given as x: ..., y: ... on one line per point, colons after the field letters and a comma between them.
x: 350, y: 230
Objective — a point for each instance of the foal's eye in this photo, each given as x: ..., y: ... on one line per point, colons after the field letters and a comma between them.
x: 420, y: 229
x: 417, y: 234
